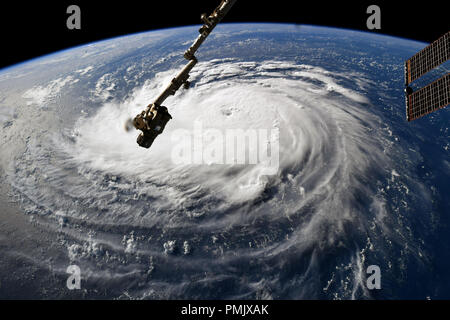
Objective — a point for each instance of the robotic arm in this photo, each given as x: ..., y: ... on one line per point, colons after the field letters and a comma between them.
x: 154, y: 118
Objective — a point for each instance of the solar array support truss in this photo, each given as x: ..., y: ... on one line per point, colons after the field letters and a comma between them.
x: 435, y: 95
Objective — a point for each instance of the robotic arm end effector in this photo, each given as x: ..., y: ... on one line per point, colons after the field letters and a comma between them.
x: 152, y: 123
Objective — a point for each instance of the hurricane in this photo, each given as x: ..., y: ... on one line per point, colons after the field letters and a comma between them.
x: 142, y: 224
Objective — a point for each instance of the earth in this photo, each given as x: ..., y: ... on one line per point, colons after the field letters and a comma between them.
x: 353, y: 184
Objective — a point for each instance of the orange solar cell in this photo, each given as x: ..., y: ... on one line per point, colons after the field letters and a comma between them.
x: 436, y: 95
x: 428, y: 58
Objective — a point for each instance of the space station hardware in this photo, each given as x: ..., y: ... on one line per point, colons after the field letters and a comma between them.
x: 435, y: 95
x: 154, y: 118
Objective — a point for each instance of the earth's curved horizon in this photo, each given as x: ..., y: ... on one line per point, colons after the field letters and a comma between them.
x: 48, y: 55
x: 355, y: 185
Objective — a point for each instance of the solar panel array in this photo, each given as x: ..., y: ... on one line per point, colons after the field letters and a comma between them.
x: 432, y: 56
x: 434, y: 96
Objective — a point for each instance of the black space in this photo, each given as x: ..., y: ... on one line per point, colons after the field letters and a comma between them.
x: 31, y: 29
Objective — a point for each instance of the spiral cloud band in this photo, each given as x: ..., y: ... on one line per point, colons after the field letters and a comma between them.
x: 265, y: 173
